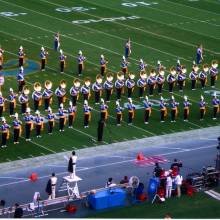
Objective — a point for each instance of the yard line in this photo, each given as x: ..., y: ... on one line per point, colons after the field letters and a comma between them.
x: 112, y: 164
x: 132, y: 27
x: 183, y: 16
x: 194, y: 8
x: 102, y: 31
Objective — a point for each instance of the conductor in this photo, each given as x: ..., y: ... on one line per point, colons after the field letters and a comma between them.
x: 72, y: 165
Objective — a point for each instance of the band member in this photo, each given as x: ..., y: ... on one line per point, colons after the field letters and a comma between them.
x: 186, y: 105
x: 131, y: 110
x: 56, y: 41
x: 130, y: 84
x: 104, y: 110
x: 24, y: 99
x: 47, y: 94
x: 178, y: 67
x: 203, y: 75
x: 163, y: 109
x: 108, y: 87
x: 21, y: 56
x: 39, y: 124
x: 5, y: 132
x: 160, y: 80
x: 51, y: 120
x: 37, y: 96
x: 202, y: 106
x: 103, y: 63
x: 17, y: 128
x: 124, y: 65
x: 127, y: 48
x: 62, y: 118
x: 119, y: 85
x: 142, y: 66
x: 171, y: 79
x: 174, y: 109
x: 215, y: 103
x: 43, y: 56
x: 87, y: 114
x: 60, y: 92
x: 97, y: 88
x: 151, y: 81
x: 213, y: 71
x: 181, y: 78
x: 194, y: 76
x: 119, y: 111
x: 159, y: 66
x: 12, y: 101
x: 20, y: 79
x: 148, y: 109
x: 85, y: 89
x: 62, y: 59
x: 81, y: 59
x: 28, y: 118
x: 74, y: 91
x: 199, y: 54
x: 142, y: 83
x: 2, y: 104
x: 72, y: 114
x: 1, y: 58
x: 51, y: 186
x: 72, y: 165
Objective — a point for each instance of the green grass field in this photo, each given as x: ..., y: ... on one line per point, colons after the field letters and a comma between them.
x: 164, y: 31
x: 199, y: 206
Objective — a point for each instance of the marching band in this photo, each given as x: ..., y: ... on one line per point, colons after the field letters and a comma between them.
x: 104, y: 83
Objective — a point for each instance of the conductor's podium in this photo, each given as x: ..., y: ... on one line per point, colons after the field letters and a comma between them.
x: 107, y: 198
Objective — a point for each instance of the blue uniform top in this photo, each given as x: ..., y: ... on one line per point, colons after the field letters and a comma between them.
x: 213, y: 71
x: 96, y: 87
x: 61, y: 112
x: 151, y: 80
x: 142, y: 66
x: 23, y: 98
x: 2, y: 100
x: 102, y: 62
x: 127, y: 49
x: 119, y: 84
x: 198, y: 55
x: 203, y: 75
x: 50, y: 116
x: 72, y: 109
x: 181, y: 76
x: 62, y: 58
x: 170, y: 78
x: 147, y: 104
x: 202, y: 104
x: 103, y: 107
x: 174, y: 104
x: 130, y: 83
x: 60, y: 92
x: 85, y: 89
x: 162, y: 105
x: 11, y: 97
x: 47, y: 93
x: 118, y: 109
x: 141, y: 82
x: 87, y: 109
x: 21, y: 54
x: 74, y: 91
x: 43, y: 55
x: 20, y: 77
x: 5, y: 127
x: 28, y: 118
x: 215, y: 101
x: 186, y: 104
x: 16, y: 123
x: 38, y: 119
x: 193, y: 75
x: 160, y: 79
x: 108, y: 85
x: 130, y: 107
x: 36, y: 96
x: 124, y: 64
x: 81, y: 59
x: 178, y: 68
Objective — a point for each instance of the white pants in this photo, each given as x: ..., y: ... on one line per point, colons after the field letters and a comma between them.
x: 53, y: 194
x: 73, y: 174
x: 168, y: 191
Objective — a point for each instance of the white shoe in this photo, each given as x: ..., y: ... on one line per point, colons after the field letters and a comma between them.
x: 146, y: 123
x: 214, y: 118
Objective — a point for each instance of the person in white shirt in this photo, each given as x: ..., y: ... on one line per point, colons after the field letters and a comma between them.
x: 178, y: 182
x: 169, y: 184
x: 51, y: 186
x: 72, y: 165
x: 110, y: 183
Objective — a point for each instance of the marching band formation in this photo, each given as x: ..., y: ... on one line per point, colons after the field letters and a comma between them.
x: 104, y: 86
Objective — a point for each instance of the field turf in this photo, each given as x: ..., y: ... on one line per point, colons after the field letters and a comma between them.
x: 164, y: 31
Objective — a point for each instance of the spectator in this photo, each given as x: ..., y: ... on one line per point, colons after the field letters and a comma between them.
x: 157, y: 170
x: 177, y: 164
x: 110, y: 183
x: 169, y: 184
x: 125, y: 180
x: 178, y: 181
x: 2, y: 203
x: 18, y: 211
